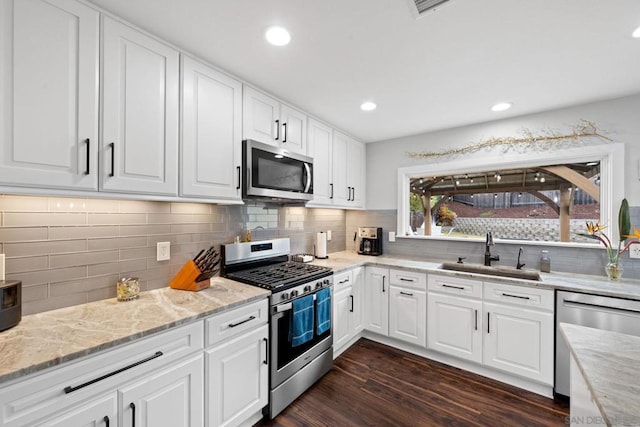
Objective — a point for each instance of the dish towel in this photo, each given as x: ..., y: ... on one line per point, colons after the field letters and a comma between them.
x: 301, y: 329
x: 323, y: 310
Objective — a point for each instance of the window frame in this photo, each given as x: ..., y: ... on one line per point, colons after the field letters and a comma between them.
x: 612, y: 181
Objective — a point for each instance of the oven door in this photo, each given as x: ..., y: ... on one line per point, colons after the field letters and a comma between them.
x: 287, y: 360
x: 277, y: 173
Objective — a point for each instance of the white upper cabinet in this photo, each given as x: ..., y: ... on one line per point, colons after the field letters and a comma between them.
x: 320, y: 138
x: 139, y: 148
x: 341, y: 192
x: 49, y: 86
x: 267, y: 120
x: 355, y: 173
x: 211, y: 133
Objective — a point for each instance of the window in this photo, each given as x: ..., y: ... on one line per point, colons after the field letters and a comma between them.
x: 548, y: 198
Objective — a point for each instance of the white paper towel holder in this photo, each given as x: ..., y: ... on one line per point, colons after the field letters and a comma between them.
x: 315, y: 247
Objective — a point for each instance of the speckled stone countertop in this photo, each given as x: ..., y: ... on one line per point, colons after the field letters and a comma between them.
x: 609, y: 363
x: 625, y: 288
x: 47, y: 339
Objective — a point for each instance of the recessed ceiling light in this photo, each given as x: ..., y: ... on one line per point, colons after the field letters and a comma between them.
x: 501, y: 106
x: 368, y: 106
x: 636, y: 33
x: 277, y: 36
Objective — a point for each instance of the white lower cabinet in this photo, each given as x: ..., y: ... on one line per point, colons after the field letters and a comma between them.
x: 408, y: 307
x: 100, y: 412
x: 172, y: 397
x: 519, y: 341
x: 503, y: 326
x: 238, y: 378
x: 376, y: 300
x: 347, y: 308
x: 455, y: 326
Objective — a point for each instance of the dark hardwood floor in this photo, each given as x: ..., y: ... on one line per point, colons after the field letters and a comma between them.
x: 375, y: 385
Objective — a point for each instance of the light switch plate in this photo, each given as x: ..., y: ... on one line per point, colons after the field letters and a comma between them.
x: 163, y: 251
x: 392, y: 236
x: 328, y: 235
x: 634, y: 251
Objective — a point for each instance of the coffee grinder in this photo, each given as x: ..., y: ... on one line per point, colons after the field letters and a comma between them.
x: 370, y: 240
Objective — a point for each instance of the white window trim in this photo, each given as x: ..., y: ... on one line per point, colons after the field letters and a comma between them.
x: 611, y: 157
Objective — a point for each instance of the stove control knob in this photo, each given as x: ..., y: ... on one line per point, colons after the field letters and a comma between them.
x: 318, y: 285
x: 294, y: 294
x: 307, y: 288
x: 285, y: 296
x: 326, y: 282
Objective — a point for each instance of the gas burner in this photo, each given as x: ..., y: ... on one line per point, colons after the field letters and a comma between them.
x: 280, y: 276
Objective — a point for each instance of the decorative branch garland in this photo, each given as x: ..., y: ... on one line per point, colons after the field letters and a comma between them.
x: 584, y: 129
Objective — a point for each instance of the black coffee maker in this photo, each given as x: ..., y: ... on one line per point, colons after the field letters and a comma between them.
x: 370, y: 240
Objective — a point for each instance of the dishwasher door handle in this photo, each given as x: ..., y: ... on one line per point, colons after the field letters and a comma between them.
x: 606, y: 307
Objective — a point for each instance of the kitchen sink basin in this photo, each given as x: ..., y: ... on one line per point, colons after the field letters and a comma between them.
x: 492, y: 270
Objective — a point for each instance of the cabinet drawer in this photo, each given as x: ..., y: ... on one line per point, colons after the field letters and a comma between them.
x: 43, y: 394
x: 408, y: 279
x: 519, y: 295
x: 234, y: 322
x: 455, y: 286
x: 342, y: 280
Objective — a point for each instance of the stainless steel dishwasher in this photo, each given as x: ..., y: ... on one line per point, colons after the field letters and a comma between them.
x: 608, y: 313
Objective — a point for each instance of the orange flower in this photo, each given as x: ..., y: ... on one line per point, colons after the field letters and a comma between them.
x: 636, y: 234
x: 594, y: 228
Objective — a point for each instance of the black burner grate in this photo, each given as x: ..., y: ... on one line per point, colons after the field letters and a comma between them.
x: 280, y: 275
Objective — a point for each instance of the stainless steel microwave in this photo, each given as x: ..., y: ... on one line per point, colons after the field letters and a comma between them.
x: 275, y: 173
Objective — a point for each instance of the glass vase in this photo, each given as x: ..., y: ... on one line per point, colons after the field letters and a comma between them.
x: 614, y: 270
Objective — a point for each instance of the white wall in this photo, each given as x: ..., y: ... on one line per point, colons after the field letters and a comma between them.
x: 618, y: 119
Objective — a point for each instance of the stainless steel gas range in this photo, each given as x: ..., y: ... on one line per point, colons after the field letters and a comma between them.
x: 293, y: 368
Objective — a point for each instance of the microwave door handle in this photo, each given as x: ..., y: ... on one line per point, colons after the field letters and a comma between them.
x: 308, y: 173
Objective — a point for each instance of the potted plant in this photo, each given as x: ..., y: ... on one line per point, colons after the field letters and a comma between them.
x: 614, y: 268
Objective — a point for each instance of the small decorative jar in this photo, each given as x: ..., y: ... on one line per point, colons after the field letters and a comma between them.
x: 128, y: 288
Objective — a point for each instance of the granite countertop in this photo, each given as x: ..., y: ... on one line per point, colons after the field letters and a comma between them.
x: 47, y: 339
x: 609, y: 363
x: 625, y: 288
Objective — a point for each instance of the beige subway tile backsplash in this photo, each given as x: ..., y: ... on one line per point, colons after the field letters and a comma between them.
x: 71, y: 250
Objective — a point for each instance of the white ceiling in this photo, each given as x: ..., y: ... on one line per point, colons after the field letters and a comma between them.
x: 443, y: 70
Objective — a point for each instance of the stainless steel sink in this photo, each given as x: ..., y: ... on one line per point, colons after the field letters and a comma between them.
x: 501, y: 271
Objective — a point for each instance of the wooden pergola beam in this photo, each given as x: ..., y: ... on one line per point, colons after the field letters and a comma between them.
x: 576, y: 179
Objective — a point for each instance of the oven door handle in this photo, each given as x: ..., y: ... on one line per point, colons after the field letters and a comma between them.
x: 288, y: 306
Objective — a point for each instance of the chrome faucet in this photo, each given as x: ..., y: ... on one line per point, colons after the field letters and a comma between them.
x: 487, y: 252
x: 518, y: 265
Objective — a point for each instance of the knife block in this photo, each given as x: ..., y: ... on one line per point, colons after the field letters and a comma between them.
x: 185, y: 279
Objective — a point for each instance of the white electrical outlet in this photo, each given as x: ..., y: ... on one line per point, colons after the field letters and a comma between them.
x: 1, y: 266
x: 634, y: 251
x: 392, y: 236
x: 163, y: 251
x: 328, y: 235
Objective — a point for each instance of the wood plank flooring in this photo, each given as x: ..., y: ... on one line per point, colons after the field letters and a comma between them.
x: 375, y: 385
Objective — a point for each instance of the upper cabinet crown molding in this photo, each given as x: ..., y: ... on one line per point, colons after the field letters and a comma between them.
x: 267, y: 120
x: 49, y: 107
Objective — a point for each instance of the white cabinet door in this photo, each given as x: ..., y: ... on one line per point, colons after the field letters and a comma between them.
x: 408, y: 315
x: 260, y: 117
x: 341, y: 193
x: 211, y: 133
x: 376, y: 300
x: 173, y: 396
x: 320, y: 139
x: 140, y: 112
x: 293, y: 128
x: 454, y: 326
x: 237, y: 378
x: 356, y: 300
x: 49, y: 86
x: 99, y: 412
x: 519, y: 341
x: 341, y: 317
x: 355, y: 173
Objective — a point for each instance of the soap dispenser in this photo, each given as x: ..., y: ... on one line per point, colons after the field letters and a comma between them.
x: 545, y: 262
